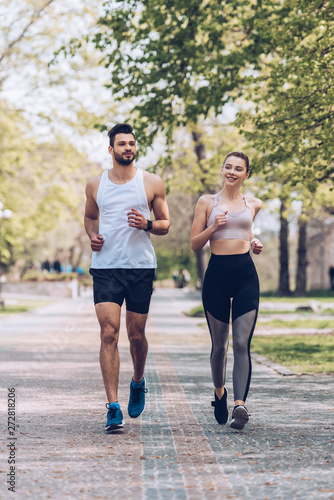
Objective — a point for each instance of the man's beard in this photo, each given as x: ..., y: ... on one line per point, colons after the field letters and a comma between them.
x: 125, y: 162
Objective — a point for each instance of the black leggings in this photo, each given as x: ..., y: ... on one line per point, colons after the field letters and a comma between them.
x: 231, y: 277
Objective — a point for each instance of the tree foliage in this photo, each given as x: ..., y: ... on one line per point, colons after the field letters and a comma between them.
x: 44, y: 109
x: 65, y: 97
x: 177, y: 61
x: 40, y: 182
x: 292, y: 91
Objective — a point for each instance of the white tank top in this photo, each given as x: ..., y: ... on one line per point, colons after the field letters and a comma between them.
x: 124, y: 247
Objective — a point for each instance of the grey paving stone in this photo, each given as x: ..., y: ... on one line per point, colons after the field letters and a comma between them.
x: 175, y: 450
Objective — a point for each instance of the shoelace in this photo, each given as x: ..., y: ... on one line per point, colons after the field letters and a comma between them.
x: 136, y: 393
x: 111, y: 410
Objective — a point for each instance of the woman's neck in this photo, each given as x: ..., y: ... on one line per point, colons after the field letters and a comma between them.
x: 230, y: 193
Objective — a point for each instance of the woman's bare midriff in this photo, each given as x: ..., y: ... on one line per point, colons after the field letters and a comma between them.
x: 229, y: 247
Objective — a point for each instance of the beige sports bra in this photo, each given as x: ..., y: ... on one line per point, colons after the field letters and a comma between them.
x: 238, y: 224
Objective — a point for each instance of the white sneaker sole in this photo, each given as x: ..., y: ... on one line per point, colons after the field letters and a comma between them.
x: 114, y: 427
x: 240, y: 418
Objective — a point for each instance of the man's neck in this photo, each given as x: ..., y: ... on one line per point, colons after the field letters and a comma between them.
x: 121, y: 174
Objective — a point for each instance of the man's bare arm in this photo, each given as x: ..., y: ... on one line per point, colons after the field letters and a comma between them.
x: 91, y: 219
x: 161, y: 224
x: 157, y: 194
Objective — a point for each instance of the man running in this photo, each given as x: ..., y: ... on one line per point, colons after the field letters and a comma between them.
x: 117, y: 221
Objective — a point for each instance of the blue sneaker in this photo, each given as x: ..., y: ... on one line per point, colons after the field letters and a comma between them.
x: 114, y: 417
x: 137, y: 398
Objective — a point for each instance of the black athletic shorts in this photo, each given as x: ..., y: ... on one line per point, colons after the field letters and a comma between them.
x: 115, y: 285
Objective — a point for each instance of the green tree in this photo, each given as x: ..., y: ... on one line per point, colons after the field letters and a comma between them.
x: 67, y: 97
x: 44, y: 110
x: 176, y: 61
x: 292, y: 90
x: 289, y: 122
x: 40, y: 182
x: 179, y: 61
x: 314, y: 208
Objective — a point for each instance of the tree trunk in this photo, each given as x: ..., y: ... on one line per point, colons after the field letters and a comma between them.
x: 199, y: 147
x: 71, y: 252
x: 200, y: 155
x: 284, y: 276
x: 301, y: 275
x: 201, y: 266
x: 81, y: 249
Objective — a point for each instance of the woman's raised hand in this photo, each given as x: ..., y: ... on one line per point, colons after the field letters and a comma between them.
x: 220, y: 220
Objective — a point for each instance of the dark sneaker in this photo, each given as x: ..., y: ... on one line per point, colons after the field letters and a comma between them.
x: 220, y: 405
x: 137, y: 398
x: 114, y: 417
x: 240, y: 417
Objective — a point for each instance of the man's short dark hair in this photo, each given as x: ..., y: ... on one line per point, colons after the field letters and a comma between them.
x: 120, y: 128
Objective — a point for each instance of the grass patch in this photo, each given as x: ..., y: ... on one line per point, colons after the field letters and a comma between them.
x: 302, y: 354
x: 328, y: 311
x: 293, y: 300
x: 196, y: 312
x: 267, y: 312
x: 12, y: 309
x: 24, y: 306
x: 310, y: 294
x: 307, y: 323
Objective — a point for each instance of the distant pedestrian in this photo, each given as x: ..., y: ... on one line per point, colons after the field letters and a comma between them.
x: 46, y: 266
x: 185, y: 277
x: 331, y: 277
x: 117, y: 221
x: 57, y: 266
x: 226, y: 219
x: 176, y: 277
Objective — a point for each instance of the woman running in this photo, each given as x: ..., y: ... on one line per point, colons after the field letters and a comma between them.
x: 226, y: 219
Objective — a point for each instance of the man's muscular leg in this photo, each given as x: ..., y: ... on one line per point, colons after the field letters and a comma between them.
x: 135, y: 324
x: 109, y: 315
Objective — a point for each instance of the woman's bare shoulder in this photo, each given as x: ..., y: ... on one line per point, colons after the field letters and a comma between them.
x: 205, y: 201
x: 256, y: 202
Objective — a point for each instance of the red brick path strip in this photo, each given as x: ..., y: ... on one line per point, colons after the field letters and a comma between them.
x: 203, y: 475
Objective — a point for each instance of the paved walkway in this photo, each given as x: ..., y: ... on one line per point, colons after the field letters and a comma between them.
x: 175, y: 450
